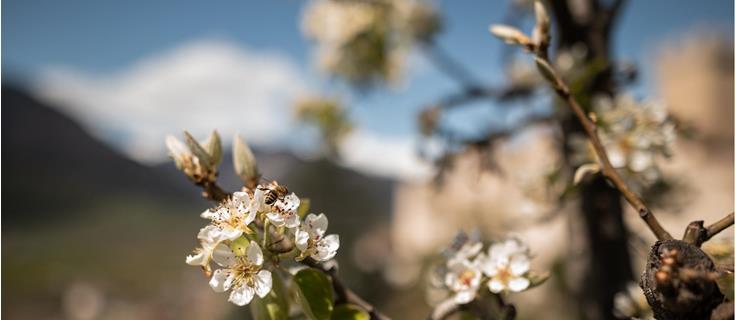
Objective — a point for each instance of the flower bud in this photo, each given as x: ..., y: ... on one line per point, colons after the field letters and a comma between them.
x: 213, y: 146
x: 510, y: 35
x: 198, y: 151
x: 543, y: 23
x: 178, y: 151
x: 244, y: 161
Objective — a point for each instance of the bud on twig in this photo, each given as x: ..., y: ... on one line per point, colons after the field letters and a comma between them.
x: 244, y: 162
x: 178, y: 151
x: 511, y: 35
x: 198, y: 151
x: 541, y: 35
x: 213, y: 146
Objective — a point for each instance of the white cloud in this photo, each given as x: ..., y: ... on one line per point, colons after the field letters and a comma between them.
x: 384, y: 156
x: 205, y: 85
x: 199, y: 86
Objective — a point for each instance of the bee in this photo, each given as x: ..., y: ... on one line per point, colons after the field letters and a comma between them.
x: 273, y: 192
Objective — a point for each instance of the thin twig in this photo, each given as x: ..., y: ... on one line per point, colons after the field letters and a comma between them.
x: 446, y: 64
x: 213, y: 192
x: 720, y: 225
x: 562, y: 90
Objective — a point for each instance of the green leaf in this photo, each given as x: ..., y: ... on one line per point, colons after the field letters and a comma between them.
x: 536, y: 278
x: 304, y: 207
x: 349, y: 312
x: 315, y: 293
x: 273, y: 306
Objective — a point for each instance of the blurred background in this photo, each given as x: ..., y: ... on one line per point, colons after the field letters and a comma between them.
x: 97, y: 221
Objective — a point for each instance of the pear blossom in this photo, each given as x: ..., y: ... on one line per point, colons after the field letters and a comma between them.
x: 284, y: 212
x: 232, y: 217
x: 506, y: 264
x: 634, y: 135
x: 310, y: 239
x: 463, y: 246
x: 244, y: 276
x: 202, y: 255
x: 463, y: 278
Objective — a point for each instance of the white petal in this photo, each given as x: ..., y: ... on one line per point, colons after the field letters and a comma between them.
x: 197, y: 259
x: 518, y: 284
x: 241, y: 295
x: 316, y: 224
x: 209, y: 233
x: 224, y: 256
x: 292, y: 221
x: 250, y: 217
x: 302, y: 239
x: 207, y: 214
x: 327, y: 248
x: 241, y: 199
x: 257, y: 203
x: 465, y: 296
x: 230, y: 234
x: 221, y: 280
x: 263, y: 283
x: 275, y: 218
x: 495, y: 285
x: 519, y: 265
x: 254, y: 254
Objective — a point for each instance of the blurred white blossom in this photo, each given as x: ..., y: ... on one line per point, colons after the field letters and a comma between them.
x: 507, y: 264
x: 634, y: 134
x: 463, y: 279
x: 366, y: 41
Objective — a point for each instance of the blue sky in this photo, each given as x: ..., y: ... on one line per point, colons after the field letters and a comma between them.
x: 99, y: 38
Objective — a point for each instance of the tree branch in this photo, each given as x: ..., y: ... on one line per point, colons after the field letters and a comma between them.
x: 720, y: 225
x: 343, y: 293
x: 562, y: 90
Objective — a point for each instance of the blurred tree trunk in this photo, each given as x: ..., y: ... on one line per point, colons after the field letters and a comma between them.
x: 606, y: 268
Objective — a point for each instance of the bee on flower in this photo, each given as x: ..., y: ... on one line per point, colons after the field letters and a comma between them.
x: 284, y: 211
x: 310, y: 239
x: 243, y: 275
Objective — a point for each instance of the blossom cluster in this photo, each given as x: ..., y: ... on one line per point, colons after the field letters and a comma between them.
x: 365, y: 41
x: 466, y: 269
x: 634, y: 134
x: 237, y: 225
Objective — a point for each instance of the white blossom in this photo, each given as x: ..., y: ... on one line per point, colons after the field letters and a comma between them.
x: 634, y: 135
x: 244, y: 275
x: 463, y: 278
x: 232, y: 217
x: 463, y: 247
x: 506, y: 264
x: 284, y: 212
x: 310, y: 239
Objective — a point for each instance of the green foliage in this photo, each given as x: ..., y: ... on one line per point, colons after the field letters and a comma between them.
x: 349, y: 312
x: 315, y: 293
x: 273, y: 306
